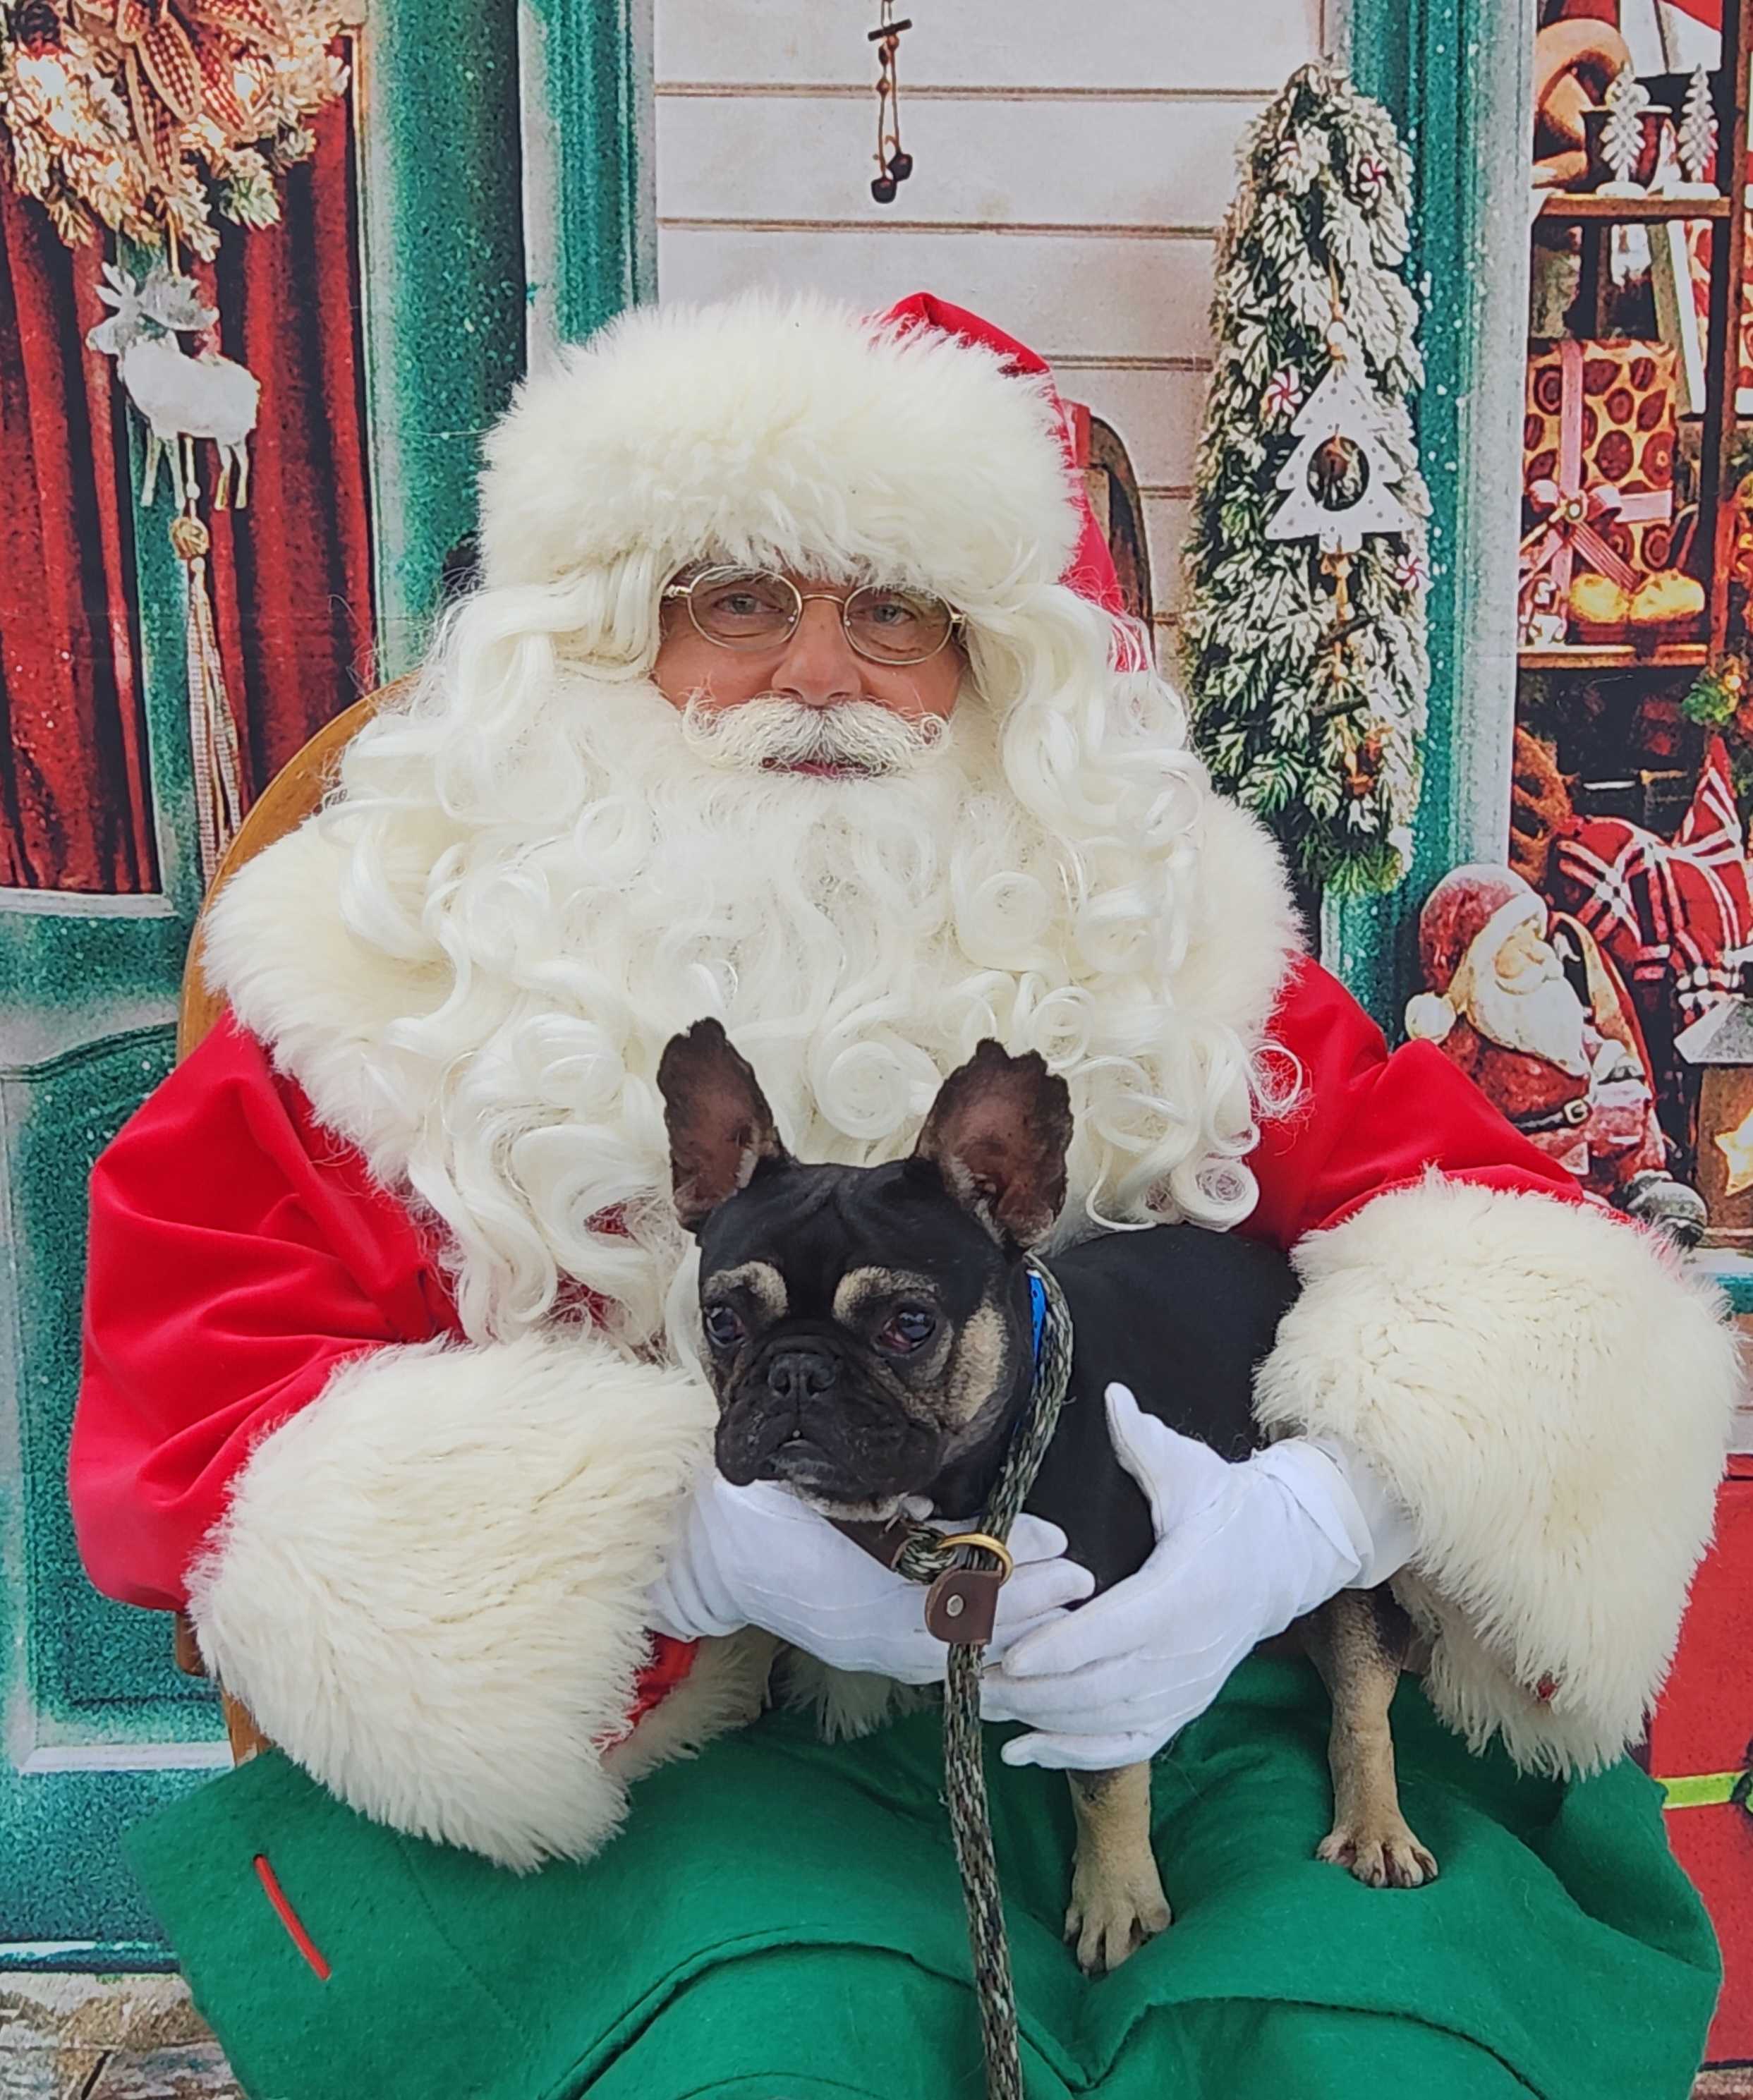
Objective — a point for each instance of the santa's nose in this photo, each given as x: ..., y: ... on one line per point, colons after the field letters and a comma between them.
x: 821, y: 667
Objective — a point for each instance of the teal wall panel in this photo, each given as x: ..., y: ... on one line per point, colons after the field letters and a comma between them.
x: 1457, y: 75
x: 445, y: 284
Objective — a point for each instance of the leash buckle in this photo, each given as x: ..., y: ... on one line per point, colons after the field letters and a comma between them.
x: 961, y: 1606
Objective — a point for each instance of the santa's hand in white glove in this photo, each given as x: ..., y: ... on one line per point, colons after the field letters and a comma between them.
x: 756, y: 1556
x: 1242, y: 1551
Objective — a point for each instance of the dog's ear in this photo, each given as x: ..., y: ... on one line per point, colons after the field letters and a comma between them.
x: 721, y: 1128
x: 998, y: 1133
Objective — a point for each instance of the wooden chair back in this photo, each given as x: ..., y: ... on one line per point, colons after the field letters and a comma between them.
x: 295, y: 792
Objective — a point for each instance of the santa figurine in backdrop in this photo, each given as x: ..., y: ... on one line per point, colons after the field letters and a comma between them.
x: 1521, y: 998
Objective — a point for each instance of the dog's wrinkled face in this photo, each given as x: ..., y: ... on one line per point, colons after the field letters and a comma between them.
x: 863, y: 1327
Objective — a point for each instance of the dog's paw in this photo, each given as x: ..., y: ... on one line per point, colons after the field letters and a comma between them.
x: 1384, y: 1853
x: 1113, y: 1913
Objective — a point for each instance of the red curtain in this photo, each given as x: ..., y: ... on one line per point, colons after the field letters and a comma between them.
x: 75, y: 807
x: 291, y: 574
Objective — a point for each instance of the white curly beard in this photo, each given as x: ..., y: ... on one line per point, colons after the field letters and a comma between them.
x: 1538, y: 1015
x: 576, y: 884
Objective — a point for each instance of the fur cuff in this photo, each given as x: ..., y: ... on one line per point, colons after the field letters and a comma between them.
x: 1551, y: 1395
x: 429, y: 1586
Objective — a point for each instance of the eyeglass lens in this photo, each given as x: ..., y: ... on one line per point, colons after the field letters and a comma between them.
x: 754, y: 608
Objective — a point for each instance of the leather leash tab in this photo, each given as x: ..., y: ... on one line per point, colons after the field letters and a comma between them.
x: 961, y: 1606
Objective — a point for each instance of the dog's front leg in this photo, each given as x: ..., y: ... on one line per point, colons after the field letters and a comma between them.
x: 1117, y: 1899
x: 1359, y: 1642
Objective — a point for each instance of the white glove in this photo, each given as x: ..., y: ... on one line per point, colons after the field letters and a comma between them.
x: 1242, y: 1551
x: 756, y: 1556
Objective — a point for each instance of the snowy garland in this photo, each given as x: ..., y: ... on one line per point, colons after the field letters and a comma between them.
x: 1306, y: 667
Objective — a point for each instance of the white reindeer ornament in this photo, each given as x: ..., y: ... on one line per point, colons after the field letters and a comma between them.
x: 179, y: 395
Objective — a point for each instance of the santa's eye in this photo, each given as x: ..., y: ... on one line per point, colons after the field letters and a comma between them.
x: 724, y: 1328
x: 908, y: 1328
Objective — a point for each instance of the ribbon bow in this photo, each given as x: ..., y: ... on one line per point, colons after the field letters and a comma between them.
x: 1572, y: 513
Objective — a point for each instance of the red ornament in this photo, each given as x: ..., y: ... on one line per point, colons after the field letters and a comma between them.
x: 1284, y: 395
x: 1411, y: 573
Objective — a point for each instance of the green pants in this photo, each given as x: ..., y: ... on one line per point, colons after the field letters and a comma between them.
x: 782, y: 1921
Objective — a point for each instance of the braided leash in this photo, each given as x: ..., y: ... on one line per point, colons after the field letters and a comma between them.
x: 963, y: 1588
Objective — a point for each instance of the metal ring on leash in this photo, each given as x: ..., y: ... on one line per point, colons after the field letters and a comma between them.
x: 984, y: 1540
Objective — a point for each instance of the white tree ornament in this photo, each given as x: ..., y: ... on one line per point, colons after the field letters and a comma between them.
x: 1339, y: 482
x: 1622, y: 136
x: 1695, y: 148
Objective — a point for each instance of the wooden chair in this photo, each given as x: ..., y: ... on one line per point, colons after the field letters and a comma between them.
x: 292, y: 795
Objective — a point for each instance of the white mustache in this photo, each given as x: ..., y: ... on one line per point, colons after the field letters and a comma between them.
x: 773, y: 733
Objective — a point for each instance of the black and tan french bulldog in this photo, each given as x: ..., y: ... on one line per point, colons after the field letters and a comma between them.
x: 868, y: 1332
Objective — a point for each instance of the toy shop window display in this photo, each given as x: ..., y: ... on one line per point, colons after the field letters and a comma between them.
x: 1622, y: 913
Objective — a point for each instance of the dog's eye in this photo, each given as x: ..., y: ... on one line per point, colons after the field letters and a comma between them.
x: 724, y: 1329
x: 908, y: 1328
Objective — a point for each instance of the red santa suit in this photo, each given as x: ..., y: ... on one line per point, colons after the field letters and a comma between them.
x: 415, y: 1535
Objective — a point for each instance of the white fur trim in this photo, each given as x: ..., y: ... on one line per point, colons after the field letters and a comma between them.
x: 790, y: 430
x: 1550, y: 1393
x: 1429, y: 1019
x: 429, y: 1586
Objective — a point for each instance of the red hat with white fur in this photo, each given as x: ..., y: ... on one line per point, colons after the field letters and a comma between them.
x: 1466, y: 918
x: 920, y: 446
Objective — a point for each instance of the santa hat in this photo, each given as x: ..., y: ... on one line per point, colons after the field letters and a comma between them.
x: 1467, y: 917
x: 919, y: 446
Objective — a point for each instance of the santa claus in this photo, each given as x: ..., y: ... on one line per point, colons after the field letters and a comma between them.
x: 795, y: 693
x: 1503, y: 974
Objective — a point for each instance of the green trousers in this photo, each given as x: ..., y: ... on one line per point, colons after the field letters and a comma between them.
x: 782, y: 1921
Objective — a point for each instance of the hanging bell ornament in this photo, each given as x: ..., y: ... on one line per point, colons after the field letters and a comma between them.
x: 893, y: 166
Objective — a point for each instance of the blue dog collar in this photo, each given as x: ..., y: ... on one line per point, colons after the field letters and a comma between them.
x: 1038, y: 1309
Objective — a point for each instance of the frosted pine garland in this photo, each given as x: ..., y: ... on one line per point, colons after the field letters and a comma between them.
x: 1324, y: 744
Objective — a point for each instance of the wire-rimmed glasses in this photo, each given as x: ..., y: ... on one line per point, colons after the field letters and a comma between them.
x: 752, y: 609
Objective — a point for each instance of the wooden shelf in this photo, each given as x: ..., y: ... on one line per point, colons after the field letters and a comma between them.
x: 1671, y: 656
x: 1567, y: 209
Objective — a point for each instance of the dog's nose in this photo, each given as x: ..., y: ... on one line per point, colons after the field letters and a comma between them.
x: 797, y: 1375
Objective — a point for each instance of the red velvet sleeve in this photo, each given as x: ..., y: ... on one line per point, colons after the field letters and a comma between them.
x: 1366, y: 1120
x: 239, y: 1252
